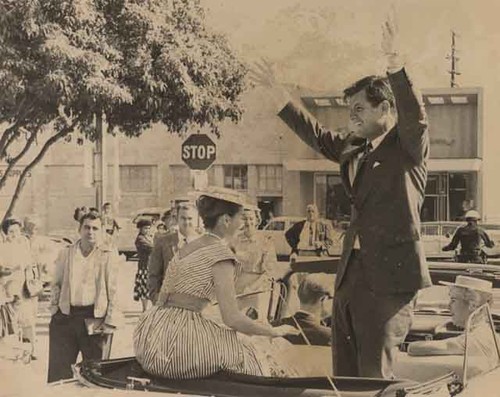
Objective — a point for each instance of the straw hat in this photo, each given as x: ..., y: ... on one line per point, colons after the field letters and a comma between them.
x: 473, y: 283
x: 223, y: 193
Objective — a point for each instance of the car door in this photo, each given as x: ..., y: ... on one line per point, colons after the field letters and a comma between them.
x: 430, y: 238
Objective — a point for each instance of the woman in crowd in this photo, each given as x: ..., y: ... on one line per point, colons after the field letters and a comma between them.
x: 257, y: 256
x: 16, y: 257
x: 173, y: 339
x: 144, y: 245
x: 43, y: 250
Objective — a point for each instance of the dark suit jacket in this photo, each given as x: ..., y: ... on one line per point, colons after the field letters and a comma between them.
x: 387, y: 194
x: 323, y: 231
x: 317, y: 334
x: 164, y: 250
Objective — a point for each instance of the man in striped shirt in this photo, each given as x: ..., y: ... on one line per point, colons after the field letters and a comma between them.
x: 83, y: 301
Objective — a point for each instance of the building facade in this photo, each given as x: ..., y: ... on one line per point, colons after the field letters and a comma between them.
x: 261, y: 157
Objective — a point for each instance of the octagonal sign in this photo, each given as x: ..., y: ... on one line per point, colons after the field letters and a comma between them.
x: 198, y: 152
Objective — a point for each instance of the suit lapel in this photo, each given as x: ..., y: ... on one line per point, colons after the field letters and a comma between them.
x: 364, y: 181
x: 351, y: 149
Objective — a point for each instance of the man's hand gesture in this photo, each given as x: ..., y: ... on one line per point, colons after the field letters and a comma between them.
x: 262, y: 74
x: 390, y: 42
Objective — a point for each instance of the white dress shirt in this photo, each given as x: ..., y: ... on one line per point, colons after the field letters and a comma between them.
x: 82, y: 279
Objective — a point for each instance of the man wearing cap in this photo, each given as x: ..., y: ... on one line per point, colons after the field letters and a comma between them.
x: 470, y: 237
x: 165, y: 247
x: 466, y: 295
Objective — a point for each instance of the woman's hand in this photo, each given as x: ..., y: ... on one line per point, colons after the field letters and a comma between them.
x: 284, y: 330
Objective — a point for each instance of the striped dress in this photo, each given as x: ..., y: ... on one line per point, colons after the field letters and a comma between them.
x: 178, y: 343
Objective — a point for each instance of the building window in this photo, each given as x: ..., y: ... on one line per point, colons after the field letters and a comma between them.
x: 331, y: 198
x: 136, y: 178
x: 270, y: 178
x: 236, y: 177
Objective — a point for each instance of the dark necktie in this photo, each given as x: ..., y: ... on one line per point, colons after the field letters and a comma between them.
x: 311, y: 234
x: 367, y: 148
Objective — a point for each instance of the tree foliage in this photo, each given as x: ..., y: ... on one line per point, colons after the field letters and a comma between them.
x: 137, y: 62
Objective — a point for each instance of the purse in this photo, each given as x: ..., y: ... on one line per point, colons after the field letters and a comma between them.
x: 33, y: 285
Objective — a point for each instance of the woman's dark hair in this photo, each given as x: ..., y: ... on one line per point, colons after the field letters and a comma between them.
x: 144, y: 222
x: 211, y: 208
x: 79, y: 212
x: 6, y: 224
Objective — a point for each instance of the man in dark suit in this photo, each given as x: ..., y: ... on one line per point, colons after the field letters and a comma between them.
x: 310, y: 236
x: 166, y: 245
x: 383, y: 165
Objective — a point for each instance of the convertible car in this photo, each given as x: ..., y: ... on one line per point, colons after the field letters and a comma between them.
x: 466, y: 375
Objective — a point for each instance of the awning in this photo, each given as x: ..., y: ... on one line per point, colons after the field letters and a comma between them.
x: 435, y: 165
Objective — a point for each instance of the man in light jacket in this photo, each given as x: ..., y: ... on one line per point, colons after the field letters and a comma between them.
x: 84, y: 300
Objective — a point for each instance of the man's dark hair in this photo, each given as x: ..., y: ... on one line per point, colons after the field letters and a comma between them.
x: 377, y: 90
x: 185, y: 207
x: 91, y: 215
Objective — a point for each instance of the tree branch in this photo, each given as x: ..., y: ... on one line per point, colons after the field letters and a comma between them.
x: 8, y: 135
x: 22, y: 178
x: 12, y: 163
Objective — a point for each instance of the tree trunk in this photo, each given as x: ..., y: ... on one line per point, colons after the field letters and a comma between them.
x: 22, y: 178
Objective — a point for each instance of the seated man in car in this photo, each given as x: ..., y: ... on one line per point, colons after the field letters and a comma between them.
x: 311, y: 236
x: 315, y: 304
x: 466, y: 295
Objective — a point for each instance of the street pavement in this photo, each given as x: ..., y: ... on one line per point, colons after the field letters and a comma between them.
x: 35, y: 373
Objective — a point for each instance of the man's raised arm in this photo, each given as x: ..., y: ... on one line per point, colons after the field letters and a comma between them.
x: 308, y: 129
x: 412, y: 119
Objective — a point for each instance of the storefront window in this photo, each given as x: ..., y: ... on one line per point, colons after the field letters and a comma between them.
x: 236, y: 177
x: 448, y: 196
x: 463, y: 187
x: 136, y: 178
x: 270, y: 178
x: 331, y: 199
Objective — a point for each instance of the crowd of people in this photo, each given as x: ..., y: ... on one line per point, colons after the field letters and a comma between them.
x: 25, y: 258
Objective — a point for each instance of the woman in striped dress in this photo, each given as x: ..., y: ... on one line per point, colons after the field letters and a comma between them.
x: 173, y: 339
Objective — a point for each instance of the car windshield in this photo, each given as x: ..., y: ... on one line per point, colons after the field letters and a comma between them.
x: 482, y: 353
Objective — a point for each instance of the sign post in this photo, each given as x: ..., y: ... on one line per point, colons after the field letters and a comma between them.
x: 199, y: 153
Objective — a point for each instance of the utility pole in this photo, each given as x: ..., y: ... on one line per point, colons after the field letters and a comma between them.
x: 100, y: 164
x: 454, y: 61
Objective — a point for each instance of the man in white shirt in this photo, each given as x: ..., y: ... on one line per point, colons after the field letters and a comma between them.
x: 83, y: 301
x: 167, y: 245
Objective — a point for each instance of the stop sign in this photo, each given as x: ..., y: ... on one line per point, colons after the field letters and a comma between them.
x: 198, y: 152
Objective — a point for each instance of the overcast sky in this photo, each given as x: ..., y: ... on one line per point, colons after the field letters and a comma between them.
x: 327, y: 44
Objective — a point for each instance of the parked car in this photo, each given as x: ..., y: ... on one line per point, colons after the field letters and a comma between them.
x: 436, y: 235
x: 449, y: 375
x: 277, y: 227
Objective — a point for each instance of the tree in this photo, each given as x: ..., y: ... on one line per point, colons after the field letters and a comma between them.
x: 136, y: 62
